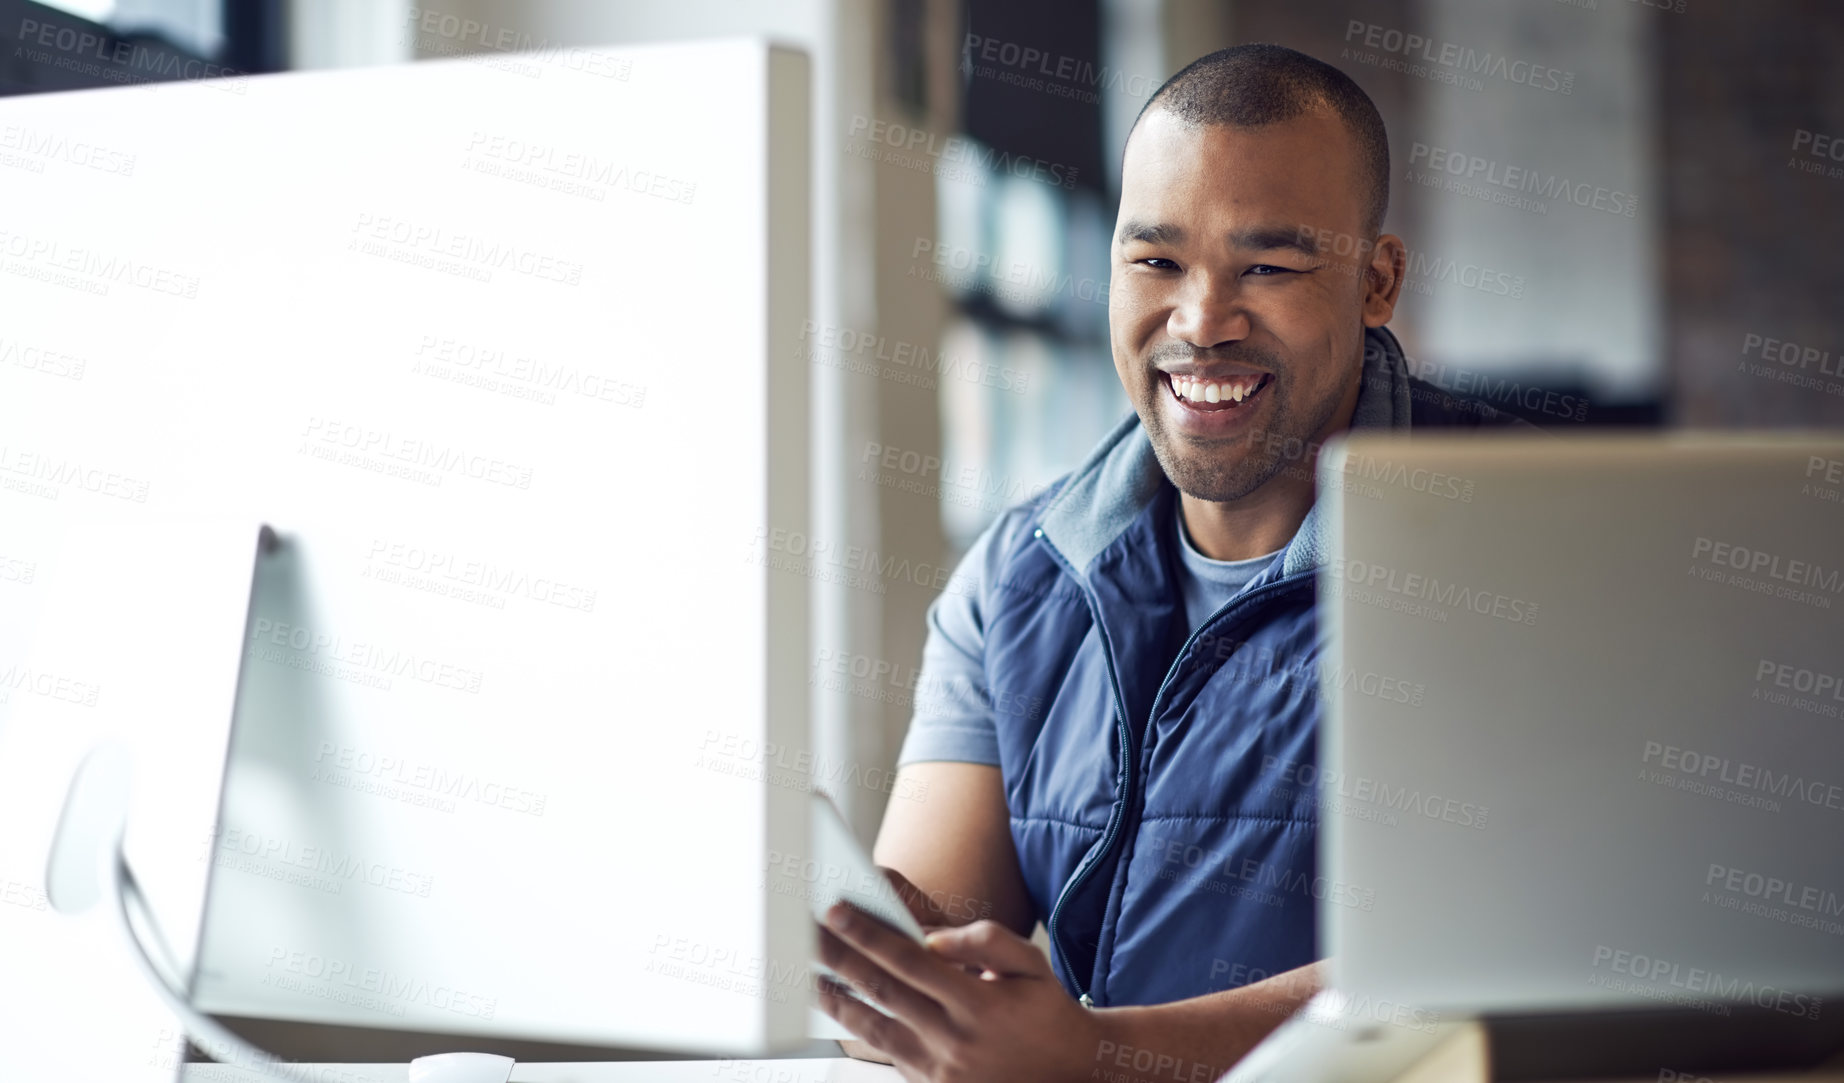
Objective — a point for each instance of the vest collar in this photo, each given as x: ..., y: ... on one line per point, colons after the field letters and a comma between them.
x: 1120, y: 478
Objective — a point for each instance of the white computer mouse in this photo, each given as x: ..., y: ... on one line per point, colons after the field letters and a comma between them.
x: 461, y: 1068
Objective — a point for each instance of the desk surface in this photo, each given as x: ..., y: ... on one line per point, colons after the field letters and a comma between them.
x: 1452, y: 1069
x: 819, y: 1070
x: 1460, y: 1059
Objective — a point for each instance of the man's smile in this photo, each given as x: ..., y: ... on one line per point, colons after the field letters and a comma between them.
x: 1213, y: 403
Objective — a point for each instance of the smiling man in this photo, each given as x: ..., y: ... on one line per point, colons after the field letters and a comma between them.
x: 1115, y: 703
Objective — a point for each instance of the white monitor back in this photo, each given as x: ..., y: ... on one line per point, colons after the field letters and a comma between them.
x: 504, y: 353
x: 1583, y: 742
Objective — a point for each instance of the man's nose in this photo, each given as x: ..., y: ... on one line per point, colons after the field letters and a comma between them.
x: 1209, y: 313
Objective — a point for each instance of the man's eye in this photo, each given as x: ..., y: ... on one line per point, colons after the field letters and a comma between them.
x: 1158, y: 264
x: 1267, y: 269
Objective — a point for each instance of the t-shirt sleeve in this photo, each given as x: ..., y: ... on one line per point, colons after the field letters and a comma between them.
x: 953, y: 717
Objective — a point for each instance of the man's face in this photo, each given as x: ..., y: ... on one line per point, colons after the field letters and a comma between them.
x: 1224, y: 287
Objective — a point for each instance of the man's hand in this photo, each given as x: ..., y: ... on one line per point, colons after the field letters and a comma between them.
x: 928, y: 914
x: 976, y: 1002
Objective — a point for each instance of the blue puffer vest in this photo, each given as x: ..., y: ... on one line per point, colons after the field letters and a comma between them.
x: 1151, y: 794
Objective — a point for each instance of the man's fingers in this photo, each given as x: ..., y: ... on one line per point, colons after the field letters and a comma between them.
x: 969, y: 968
x: 886, y: 1035
x: 909, y: 962
x: 875, y: 983
x: 992, y: 946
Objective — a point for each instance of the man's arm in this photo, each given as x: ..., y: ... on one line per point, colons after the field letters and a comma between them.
x: 954, y: 842
x: 952, y: 839
x: 1216, y: 1029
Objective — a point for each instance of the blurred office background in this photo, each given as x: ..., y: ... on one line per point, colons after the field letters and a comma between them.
x: 1621, y: 213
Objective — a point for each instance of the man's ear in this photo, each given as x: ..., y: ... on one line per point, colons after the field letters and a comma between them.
x: 1389, y: 262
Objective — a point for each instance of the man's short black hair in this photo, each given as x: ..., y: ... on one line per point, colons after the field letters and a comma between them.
x: 1252, y: 86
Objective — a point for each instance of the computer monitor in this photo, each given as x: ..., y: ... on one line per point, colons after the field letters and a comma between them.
x: 505, y: 351
x: 1584, y: 727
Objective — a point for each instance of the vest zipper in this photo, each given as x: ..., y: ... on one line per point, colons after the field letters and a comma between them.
x: 1053, y: 926
x: 1129, y: 774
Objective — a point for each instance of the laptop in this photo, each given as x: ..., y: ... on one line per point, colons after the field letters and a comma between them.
x: 1584, y: 742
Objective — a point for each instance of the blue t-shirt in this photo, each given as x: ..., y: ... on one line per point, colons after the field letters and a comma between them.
x: 1206, y: 583
x: 953, y: 709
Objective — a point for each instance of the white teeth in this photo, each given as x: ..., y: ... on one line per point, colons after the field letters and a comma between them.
x: 1192, y: 389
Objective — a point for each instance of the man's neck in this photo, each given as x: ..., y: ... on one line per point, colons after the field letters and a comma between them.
x: 1259, y: 523
x: 1266, y: 519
